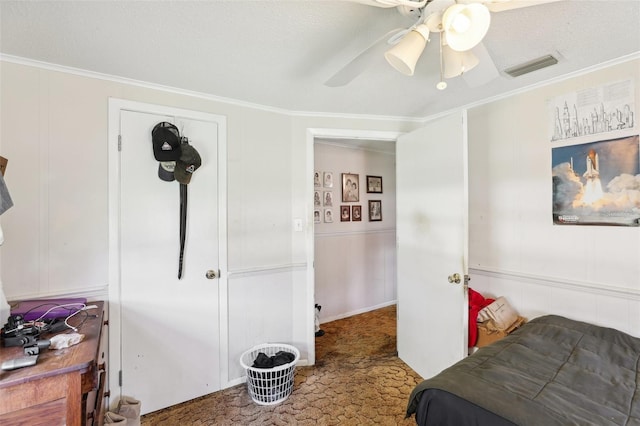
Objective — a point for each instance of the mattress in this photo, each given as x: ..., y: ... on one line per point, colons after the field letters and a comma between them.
x: 551, y: 371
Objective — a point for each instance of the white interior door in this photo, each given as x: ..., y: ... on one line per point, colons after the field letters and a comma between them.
x: 170, y: 334
x: 431, y: 210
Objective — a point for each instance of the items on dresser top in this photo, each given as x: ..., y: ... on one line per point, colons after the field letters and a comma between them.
x: 43, y: 309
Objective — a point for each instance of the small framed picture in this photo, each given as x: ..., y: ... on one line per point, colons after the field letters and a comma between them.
x: 345, y: 213
x: 316, y: 216
x: 316, y: 179
x: 350, y: 187
x: 327, y: 180
x: 317, y: 202
x: 374, y: 184
x: 375, y: 210
x: 356, y: 213
x: 328, y: 216
x: 328, y: 199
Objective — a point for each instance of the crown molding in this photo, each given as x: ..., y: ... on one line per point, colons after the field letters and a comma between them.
x: 175, y: 90
x: 191, y: 93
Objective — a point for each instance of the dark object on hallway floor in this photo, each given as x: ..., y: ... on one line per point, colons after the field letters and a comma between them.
x: 319, y: 332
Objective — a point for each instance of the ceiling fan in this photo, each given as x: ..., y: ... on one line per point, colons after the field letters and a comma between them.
x: 461, y: 26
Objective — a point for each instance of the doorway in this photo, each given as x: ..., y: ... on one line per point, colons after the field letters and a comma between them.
x: 152, y: 310
x: 353, y: 256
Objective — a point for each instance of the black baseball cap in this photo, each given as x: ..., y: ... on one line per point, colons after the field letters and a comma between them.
x: 166, y: 142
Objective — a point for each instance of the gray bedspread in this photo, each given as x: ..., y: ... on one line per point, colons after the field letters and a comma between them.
x: 551, y: 371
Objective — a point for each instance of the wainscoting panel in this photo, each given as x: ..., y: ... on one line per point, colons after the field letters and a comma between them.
x: 262, y: 307
x: 533, y: 296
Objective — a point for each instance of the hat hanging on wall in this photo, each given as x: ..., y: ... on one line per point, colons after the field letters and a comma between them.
x: 187, y: 164
x: 166, y: 142
x: 166, y: 169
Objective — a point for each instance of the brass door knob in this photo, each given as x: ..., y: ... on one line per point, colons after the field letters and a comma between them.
x: 454, y: 279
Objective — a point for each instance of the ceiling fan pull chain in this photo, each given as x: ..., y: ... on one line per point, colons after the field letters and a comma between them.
x: 442, y: 84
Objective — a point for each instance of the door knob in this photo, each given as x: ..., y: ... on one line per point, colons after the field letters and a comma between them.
x: 455, y: 278
x: 211, y: 274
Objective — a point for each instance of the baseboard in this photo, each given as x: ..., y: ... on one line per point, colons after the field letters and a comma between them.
x: 357, y: 312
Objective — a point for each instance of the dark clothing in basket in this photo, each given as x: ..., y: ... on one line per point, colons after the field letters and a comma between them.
x: 280, y: 358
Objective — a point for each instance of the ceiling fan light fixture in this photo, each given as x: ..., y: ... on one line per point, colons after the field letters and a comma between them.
x: 404, y: 55
x: 461, y: 23
x: 465, y: 25
x: 434, y: 22
x: 457, y: 63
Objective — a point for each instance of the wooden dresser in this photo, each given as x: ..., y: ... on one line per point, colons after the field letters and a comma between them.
x: 65, y: 387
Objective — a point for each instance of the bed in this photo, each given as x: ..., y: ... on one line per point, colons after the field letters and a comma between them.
x: 551, y: 371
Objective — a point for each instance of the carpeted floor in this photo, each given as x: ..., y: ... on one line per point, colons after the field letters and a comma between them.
x: 357, y: 380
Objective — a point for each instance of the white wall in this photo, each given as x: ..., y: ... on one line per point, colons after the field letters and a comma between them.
x: 588, y: 273
x: 54, y: 133
x: 355, y: 262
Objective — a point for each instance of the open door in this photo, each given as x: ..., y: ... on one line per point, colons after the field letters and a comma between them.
x: 432, y: 225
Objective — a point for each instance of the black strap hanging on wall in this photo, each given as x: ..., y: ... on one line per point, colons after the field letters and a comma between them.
x: 188, y: 163
x: 183, y: 225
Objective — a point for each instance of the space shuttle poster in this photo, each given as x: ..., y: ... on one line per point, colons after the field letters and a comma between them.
x: 597, y: 183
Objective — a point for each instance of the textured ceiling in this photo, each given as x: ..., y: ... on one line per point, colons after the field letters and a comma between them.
x: 279, y: 53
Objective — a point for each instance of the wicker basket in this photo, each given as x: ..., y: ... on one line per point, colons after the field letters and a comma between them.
x: 269, y: 386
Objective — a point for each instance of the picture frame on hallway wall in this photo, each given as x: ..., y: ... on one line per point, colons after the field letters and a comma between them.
x: 328, y: 216
x: 374, y: 184
x: 356, y: 213
x: 375, y: 210
x: 328, y: 199
x: 350, y: 187
x: 327, y: 179
x: 345, y: 213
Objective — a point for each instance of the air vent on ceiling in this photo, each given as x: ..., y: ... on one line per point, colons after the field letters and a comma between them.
x: 530, y: 66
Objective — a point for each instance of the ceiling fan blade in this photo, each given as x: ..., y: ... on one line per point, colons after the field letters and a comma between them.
x: 361, y: 62
x: 502, y: 5
x: 392, y: 3
x: 484, y: 72
x: 373, y: 3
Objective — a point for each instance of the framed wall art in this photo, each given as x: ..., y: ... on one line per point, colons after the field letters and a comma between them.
x: 375, y: 210
x: 350, y: 187
x: 316, y: 199
x: 328, y: 215
x: 345, y: 213
x: 316, y: 216
x: 374, y: 184
x: 356, y: 213
x: 328, y: 199
x: 327, y: 180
